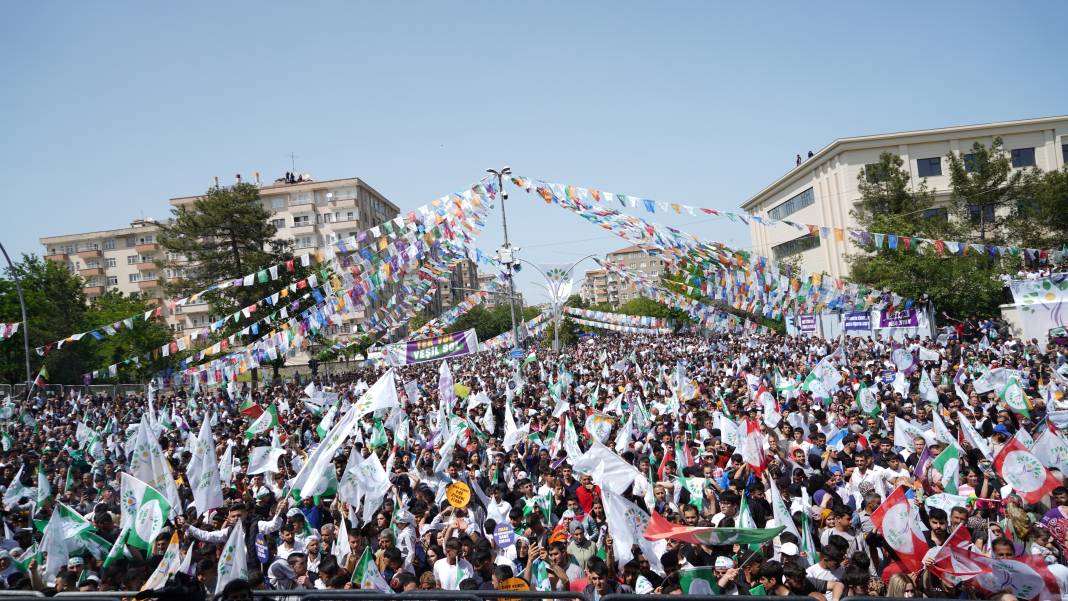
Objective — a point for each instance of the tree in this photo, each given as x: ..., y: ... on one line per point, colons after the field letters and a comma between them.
x: 1041, y: 221
x: 958, y: 285
x: 987, y: 192
x: 226, y: 235
x: 145, y: 338
x: 55, y: 308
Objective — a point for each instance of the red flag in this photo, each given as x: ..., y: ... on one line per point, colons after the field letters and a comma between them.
x: 753, y: 447
x: 957, y: 560
x: 898, y: 522
x: 669, y: 455
x: 253, y: 410
x: 1024, y: 472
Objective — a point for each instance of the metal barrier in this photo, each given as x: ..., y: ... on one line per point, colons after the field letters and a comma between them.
x: 636, y: 597
x: 368, y: 594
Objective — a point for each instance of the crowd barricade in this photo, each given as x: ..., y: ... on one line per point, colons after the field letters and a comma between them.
x: 5, y: 390
x: 637, y: 597
x: 339, y: 595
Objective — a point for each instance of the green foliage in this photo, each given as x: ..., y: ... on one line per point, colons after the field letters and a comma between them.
x: 988, y: 192
x: 56, y: 308
x: 1041, y: 221
x: 576, y: 301
x: 146, y: 337
x: 490, y: 322
x: 957, y: 285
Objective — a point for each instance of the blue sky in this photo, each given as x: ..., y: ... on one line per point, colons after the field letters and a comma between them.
x: 109, y: 109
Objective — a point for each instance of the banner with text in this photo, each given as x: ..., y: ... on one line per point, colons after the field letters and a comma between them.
x: 432, y: 349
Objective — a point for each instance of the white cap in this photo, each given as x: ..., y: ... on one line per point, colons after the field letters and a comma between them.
x: 789, y: 549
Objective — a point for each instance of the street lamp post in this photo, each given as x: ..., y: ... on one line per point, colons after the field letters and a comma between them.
x: 22, y: 305
x: 506, y: 256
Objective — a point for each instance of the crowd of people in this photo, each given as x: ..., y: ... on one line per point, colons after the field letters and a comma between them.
x: 539, y: 445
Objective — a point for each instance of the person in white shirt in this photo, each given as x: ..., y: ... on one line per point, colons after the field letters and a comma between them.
x: 451, y: 570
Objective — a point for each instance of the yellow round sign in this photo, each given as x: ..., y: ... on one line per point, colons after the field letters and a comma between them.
x: 458, y: 494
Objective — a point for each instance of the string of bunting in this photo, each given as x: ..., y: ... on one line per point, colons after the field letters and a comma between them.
x: 275, y: 343
x: 863, y: 237
x: 532, y: 328
x: 765, y: 289
x: 638, y: 321
x: 390, y: 245
x: 614, y: 327
x: 437, y: 326
x: 456, y: 222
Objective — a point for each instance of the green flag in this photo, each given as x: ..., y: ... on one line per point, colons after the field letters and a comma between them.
x: 697, y: 581
x: 263, y: 423
x: 144, y: 511
x: 948, y: 466
x: 866, y: 400
x: 366, y: 574
x: 696, y: 488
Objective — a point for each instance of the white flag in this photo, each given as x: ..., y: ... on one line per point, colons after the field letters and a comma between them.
x: 626, y: 523
x: 313, y: 472
x: 148, y: 464
x: 383, y: 395
x: 232, y: 563
x: 264, y: 460
x: 203, y: 472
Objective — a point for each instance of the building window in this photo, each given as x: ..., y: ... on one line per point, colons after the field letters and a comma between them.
x: 113, y: 280
x: 149, y: 239
x: 131, y: 259
x: 278, y: 202
x: 981, y: 213
x: 109, y: 244
x: 969, y: 162
x: 109, y: 262
x: 929, y: 167
x: 279, y: 224
x: 134, y: 278
x: 796, y: 246
x: 793, y: 205
x: 1023, y: 157
x: 300, y: 220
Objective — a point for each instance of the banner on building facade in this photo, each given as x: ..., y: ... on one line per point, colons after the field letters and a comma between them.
x: 906, y: 318
x: 432, y: 349
x: 857, y: 320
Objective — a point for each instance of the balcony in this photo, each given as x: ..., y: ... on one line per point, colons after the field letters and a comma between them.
x: 93, y: 290
x: 148, y: 247
x: 147, y: 266
x: 302, y: 229
x: 57, y: 258
x: 148, y: 284
x: 91, y: 271
x: 153, y: 302
x: 90, y: 254
x: 343, y: 201
x: 199, y: 307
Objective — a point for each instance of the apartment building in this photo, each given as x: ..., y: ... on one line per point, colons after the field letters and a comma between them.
x: 822, y: 190
x: 500, y: 297
x: 124, y: 259
x: 313, y: 214
x: 601, y: 287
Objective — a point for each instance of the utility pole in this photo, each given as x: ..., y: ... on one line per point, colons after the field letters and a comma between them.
x: 22, y: 305
x: 505, y: 253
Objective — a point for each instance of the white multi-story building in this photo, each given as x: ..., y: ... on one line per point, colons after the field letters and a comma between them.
x: 312, y: 214
x: 124, y: 259
x: 823, y: 190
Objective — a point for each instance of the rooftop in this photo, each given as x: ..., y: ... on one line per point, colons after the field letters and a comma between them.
x: 633, y: 248
x: 877, y: 139
x: 267, y: 189
x: 136, y: 226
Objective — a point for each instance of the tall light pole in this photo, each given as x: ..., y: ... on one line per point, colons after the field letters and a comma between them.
x: 505, y: 253
x: 22, y: 305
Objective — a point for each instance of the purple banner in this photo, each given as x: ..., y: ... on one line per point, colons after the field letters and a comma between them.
x: 860, y: 320
x: 898, y: 319
x: 432, y: 349
x: 806, y: 323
